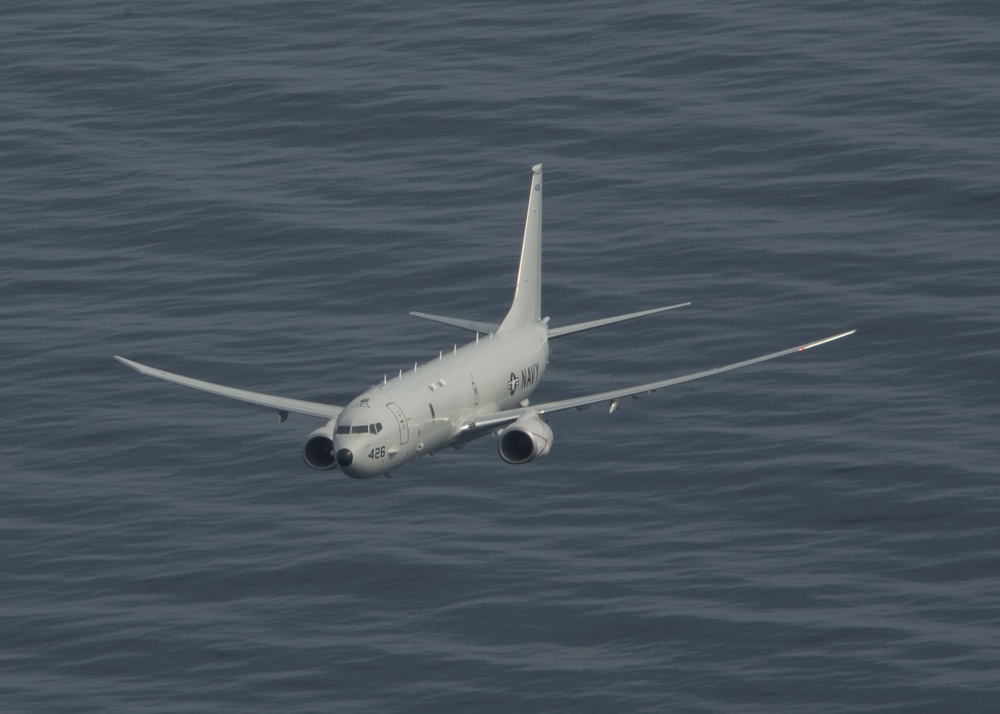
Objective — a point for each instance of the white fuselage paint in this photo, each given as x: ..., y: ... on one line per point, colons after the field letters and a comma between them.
x: 422, y: 411
x: 465, y: 394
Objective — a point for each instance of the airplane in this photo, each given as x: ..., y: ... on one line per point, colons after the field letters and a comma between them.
x: 483, y: 387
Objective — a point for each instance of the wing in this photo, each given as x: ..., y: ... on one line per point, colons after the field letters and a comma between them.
x: 282, y: 404
x: 480, y: 425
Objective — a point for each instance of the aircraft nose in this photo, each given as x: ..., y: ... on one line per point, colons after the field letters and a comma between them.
x: 344, y: 458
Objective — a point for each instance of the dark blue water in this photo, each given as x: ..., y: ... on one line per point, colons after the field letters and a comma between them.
x: 257, y: 193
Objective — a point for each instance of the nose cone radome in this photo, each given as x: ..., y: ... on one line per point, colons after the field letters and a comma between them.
x: 344, y: 458
x: 360, y: 469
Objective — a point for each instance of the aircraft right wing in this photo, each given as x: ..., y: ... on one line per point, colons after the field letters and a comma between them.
x: 284, y: 405
x: 483, y: 424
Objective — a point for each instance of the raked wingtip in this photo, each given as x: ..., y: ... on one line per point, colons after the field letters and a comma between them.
x: 127, y: 362
x: 817, y: 343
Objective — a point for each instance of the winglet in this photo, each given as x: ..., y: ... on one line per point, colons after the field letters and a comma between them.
x: 817, y: 343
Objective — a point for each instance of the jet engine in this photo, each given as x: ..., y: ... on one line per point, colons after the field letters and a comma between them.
x: 318, y: 449
x: 525, y: 440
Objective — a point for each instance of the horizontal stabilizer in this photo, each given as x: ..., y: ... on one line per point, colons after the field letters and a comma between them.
x: 471, y: 325
x: 581, y: 326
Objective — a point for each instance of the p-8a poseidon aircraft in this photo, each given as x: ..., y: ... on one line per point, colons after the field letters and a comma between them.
x: 481, y: 388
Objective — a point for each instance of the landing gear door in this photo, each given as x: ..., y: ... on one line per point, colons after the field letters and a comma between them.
x: 404, y: 428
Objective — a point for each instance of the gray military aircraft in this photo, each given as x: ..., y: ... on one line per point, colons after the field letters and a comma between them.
x: 478, y: 389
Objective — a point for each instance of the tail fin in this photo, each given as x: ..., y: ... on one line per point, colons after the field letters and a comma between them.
x: 527, y: 306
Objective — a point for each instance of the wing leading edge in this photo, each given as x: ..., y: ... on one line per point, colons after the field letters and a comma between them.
x: 282, y: 404
x: 484, y: 423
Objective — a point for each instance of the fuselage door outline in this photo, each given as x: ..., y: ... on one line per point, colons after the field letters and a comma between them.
x: 404, y: 429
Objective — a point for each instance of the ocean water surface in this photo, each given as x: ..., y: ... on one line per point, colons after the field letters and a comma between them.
x: 257, y: 193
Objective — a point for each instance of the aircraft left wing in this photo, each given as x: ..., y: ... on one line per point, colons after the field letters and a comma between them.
x: 481, y: 425
x: 284, y: 405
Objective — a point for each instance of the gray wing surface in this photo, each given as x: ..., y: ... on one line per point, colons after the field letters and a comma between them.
x: 282, y: 404
x: 488, y: 421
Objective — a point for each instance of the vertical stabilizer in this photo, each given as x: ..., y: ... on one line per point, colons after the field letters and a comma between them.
x: 527, y: 306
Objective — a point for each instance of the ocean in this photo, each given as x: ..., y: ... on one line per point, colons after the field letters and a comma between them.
x: 257, y: 193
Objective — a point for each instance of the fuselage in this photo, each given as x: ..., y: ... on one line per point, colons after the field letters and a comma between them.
x: 422, y: 410
x: 467, y: 393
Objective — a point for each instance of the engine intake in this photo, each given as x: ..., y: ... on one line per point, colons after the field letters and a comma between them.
x: 318, y: 449
x: 525, y: 440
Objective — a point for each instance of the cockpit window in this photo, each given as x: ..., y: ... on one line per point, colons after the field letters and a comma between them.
x: 361, y: 429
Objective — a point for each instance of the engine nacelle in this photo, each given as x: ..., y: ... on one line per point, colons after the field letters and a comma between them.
x: 525, y: 440
x: 318, y: 449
